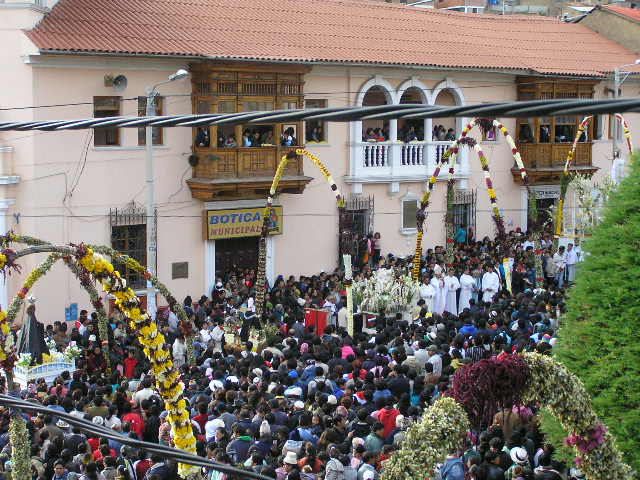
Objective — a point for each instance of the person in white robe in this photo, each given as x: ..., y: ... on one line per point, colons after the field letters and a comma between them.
x: 427, y: 293
x: 437, y: 282
x: 451, y: 286
x: 490, y: 284
x: 467, y: 286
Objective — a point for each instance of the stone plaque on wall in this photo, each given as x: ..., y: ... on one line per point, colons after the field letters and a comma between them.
x: 179, y: 270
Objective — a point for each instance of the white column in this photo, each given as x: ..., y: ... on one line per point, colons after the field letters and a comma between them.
x: 5, y: 203
x: 271, y: 260
x: 209, y: 266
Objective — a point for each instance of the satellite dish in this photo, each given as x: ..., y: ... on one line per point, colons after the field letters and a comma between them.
x: 120, y: 83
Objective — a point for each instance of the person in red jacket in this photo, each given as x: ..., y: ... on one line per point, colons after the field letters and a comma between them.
x: 387, y: 416
x: 130, y: 364
x: 134, y: 419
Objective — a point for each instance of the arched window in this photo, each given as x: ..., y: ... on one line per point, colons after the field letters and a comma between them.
x: 376, y: 130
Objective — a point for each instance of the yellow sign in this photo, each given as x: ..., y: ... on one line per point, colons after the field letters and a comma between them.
x: 241, y: 222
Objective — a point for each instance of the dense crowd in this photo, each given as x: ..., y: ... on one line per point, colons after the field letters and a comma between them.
x: 311, y: 404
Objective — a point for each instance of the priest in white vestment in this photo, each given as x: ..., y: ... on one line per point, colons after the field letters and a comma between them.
x: 451, y: 286
x: 467, y: 286
x: 427, y: 293
x: 490, y: 284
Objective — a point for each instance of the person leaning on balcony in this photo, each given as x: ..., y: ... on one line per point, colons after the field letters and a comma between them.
x: 230, y: 142
x: 379, y: 136
x: 451, y: 135
x: 369, y: 136
x: 411, y: 135
x: 246, y: 138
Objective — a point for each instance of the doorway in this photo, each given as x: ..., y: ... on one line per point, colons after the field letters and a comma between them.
x: 234, y: 254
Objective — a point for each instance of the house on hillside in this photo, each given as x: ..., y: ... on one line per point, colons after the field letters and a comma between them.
x: 620, y: 24
x: 73, y: 60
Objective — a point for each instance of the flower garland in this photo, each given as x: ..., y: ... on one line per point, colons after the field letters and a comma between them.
x: 7, y: 347
x: 553, y: 386
x: 186, y: 324
x: 428, y: 441
x: 262, y: 244
x: 626, y: 130
x: 167, y: 376
x: 449, y: 158
x: 35, y: 275
x: 20, y: 447
x: 493, y: 198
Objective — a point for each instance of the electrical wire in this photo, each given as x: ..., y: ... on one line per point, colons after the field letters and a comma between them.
x: 345, y: 114
x: 332, y: 92
x: 168, y: 452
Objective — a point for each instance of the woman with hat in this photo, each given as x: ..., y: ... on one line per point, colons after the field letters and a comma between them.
x: 289, y: 464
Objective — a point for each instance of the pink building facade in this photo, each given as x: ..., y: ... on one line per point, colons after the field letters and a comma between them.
x: 72, y: 187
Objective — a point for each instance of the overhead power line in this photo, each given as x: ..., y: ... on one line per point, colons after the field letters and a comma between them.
x: 534, y: 108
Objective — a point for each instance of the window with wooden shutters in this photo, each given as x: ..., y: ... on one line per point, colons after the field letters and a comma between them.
x: 106, y: 107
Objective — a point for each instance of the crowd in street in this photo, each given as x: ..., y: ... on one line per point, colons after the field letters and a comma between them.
x: 310, y: 404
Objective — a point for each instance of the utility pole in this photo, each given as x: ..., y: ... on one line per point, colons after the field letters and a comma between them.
x: 152, y: 249
x: 151, y: 201
x: 614, y: 140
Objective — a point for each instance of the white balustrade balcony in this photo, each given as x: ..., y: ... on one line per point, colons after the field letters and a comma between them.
x: 378, y: 162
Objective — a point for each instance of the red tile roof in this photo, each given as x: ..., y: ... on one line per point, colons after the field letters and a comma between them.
x: 627, y: 12
x: 343, y: 31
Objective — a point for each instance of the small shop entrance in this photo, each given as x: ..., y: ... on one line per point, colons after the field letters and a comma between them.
x: 234, y: 254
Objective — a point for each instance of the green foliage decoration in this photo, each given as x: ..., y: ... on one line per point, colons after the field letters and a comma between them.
x: 441, y: 429
x: 599, y: 336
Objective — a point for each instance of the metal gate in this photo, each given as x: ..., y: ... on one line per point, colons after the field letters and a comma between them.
x: 464, y: 210
x: 355, y: 222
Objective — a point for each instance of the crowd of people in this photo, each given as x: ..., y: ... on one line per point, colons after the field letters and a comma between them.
x: 261, y: 137
x: 310, y: 404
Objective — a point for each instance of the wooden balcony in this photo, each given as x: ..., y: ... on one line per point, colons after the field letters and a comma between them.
x: 243, y: 173
x: 545, y: 161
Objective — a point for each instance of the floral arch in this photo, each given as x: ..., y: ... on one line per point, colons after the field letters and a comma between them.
x: 92, y: 265
x: 489, y: 385
x: 264, y: 233
x: 449, y: 160
x: 566, y: 173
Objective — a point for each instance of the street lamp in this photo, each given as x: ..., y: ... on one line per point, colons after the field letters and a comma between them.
x: 617, y: 83
x: 150, y: 182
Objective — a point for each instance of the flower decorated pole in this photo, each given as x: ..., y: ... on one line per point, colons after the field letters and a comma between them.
x: 491, y: 191
x: 566, y: 177
x: 20, y: 446
x: 157, y: 351
x: 348, y: 284
x: 626, y: 131
x: 264, y: 233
